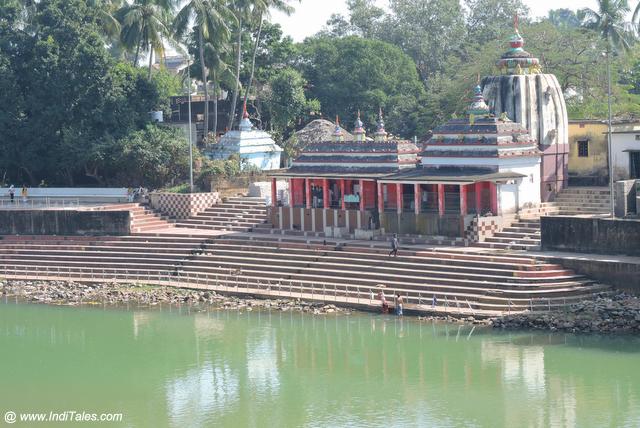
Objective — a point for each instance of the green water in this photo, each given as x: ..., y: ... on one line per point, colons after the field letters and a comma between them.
x: 177, y: 368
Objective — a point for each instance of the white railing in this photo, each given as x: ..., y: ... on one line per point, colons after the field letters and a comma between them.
x: 38, y: 203
x: 234, y: 283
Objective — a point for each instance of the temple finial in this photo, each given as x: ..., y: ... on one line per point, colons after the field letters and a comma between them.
x: 245, y: 114
x: 381, y: 133
x: 337, y: 133
x: 516, y: 22
x: 245, y: 123
x: 359, y: 131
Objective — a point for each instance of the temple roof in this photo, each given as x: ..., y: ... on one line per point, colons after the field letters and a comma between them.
x: 363, y: 159
x: 452, y: 175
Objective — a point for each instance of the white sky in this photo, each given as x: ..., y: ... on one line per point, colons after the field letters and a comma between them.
x: 311, y: 15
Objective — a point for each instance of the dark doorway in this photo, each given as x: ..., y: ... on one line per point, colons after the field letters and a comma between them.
x: 634, y: 164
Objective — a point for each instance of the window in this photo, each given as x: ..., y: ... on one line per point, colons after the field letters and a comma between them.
x: 583, y: 148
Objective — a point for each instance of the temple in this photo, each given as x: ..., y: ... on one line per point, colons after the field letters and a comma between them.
x: 480, y: 165
x: 536, y: 101
x: 255, y: 147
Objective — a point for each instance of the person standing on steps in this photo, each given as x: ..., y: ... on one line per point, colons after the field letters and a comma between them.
x: 24, y: 193
x: 394, y: 246
x: 383, y: 301
x: 12, y: 193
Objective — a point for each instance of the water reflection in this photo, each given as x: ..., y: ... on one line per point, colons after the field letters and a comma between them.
x: 218, y: 368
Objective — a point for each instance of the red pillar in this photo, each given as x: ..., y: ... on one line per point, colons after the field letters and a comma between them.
x: 274, y: 193
x: 441, y: 199
x: 478, y: 198
x: 463, y: 199
x: 380, y: 198
x: 325, y: 193
x: 493, y: 194
x: 342, y: 206
x: 362, y: 195
x: 308, y: 192
x: 417, y: 197
x: 399, y: 197
x: 292, y: 193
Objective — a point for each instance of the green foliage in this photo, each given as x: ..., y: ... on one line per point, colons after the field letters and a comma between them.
x: 150, y: 157
x: 350, y: 74
x: 286, y: 100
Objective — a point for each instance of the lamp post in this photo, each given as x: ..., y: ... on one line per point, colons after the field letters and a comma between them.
x: 190, y: 133
x: 609, y: 145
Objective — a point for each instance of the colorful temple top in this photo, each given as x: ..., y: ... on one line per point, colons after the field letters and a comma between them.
x: 481, y: 135
x: 516, y: 60
x: 358, y: 131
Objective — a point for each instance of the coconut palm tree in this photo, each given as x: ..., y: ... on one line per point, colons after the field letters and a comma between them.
x: 609, y: 20
x: 144, y: 25
x: 210, y: 17
x: 260, y: 12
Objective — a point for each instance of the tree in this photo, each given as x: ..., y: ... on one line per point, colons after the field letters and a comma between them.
x: 145, y: 23
x: 351, y: 74
x: 609, y: 21
x: 490, y: 20
x: 563, y: 18
x: 210, y: 17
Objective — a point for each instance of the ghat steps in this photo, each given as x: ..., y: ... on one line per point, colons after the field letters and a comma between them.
x: 237, y: 214
x: 485, y: 283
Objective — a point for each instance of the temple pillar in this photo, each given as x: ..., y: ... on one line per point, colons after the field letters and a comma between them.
x: 291, y: 192
x: 399, y: 197
x: 342, y: 187
x: 325, y: 193
x: 308, y: 192
x: 478, y: 198
x: 417, y: 197
x: 441, y: 200
x: 493, y: 195
x: 362, y: 195
x: 463, y: 200
x: 274, y: 192
x: 380, y: 198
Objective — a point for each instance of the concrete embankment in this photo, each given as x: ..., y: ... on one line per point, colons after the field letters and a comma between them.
x: 63, y: 222
x: 619, y: 314
x: 74, y: 293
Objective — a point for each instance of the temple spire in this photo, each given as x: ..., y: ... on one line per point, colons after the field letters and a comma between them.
x: 359, y: 132
x: 337, y: 133
x: 478, y: 106
x: 381, y: 134
x: 245, y: 123
x: 516, y: 60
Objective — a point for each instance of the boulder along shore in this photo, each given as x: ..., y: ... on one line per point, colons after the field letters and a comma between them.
x: 619, y: 314
x: 74, y: 293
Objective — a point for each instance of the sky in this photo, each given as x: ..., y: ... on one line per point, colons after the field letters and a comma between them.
x: 311, y: 15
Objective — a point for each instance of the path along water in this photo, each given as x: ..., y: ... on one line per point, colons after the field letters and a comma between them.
x: 172, y: 367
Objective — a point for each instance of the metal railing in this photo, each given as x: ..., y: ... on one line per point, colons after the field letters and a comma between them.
x: 38, y: 203
x: 326, y: 292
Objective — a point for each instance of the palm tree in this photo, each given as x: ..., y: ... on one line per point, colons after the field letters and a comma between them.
x: 106, y: 11
x: 609, y: 22
x: 210, y: 17
x: 261, y: 8
x: 144, y: 23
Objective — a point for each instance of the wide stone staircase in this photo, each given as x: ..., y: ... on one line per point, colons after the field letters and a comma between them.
x: 236, y: 214
x: 143, y: 219
x: 463, y: 282
x: 592, y: 201
x: 523, y: 234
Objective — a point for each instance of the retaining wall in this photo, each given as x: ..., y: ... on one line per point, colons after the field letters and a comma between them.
x: 182, y: 205
x: 64, y: 222
x: 590, y: 235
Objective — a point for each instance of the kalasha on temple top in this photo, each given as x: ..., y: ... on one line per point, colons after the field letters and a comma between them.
x: 358, y: 158
x: 516, y: 60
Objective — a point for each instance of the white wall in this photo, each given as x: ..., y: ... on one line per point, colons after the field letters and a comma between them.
x: 620, y: 143
x: 528, y: 187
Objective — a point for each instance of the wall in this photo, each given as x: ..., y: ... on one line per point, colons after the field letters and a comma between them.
x: 621, y: 140
x: 625, y: 198
x: 85, y: 194
x: 316, y: 219
x: 537, y: 102
x: 182, y: 205
x: 527, y: 190
x: 622, y: 274
x: 591, y: 235
x: 64, y: 222
x: 592, y: 170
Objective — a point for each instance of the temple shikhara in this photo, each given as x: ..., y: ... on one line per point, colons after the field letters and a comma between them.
x: 507, y: 153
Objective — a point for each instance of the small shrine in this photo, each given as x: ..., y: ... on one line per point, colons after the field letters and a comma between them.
x: 255, y: 147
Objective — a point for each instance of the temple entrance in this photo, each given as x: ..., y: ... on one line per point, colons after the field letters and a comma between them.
x: 634, y: 165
